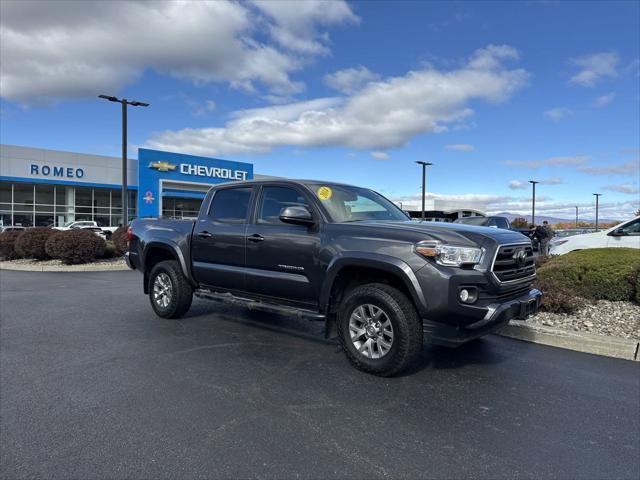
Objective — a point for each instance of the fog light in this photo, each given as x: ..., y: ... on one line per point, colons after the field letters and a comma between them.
x: 468, y: 295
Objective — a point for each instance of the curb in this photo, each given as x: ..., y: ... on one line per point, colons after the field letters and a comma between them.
x: 87, y: 267
x: 580, y: 342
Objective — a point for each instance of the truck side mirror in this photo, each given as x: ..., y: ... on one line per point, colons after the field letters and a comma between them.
x: 296, y: 215
x: 618, y: 232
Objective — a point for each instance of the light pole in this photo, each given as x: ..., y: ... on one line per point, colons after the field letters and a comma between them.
x: 576, y: 216
x: 424, y: 182
x: 124, y: 102
x: 533, y: 202
x: 597, y: 195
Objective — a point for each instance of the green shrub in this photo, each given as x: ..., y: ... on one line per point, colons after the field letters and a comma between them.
x: 75, y: 246
x: 593, y: 274
x: 119, y: 238
x: 32, y: 241
x: 8, y: 243
x: 110, y: 250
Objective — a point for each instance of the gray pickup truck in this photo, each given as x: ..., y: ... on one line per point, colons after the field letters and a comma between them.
x: 343, y: 255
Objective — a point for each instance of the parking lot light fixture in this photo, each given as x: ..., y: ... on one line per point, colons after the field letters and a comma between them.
x: 124, y: 102
x: 424, y: 183
x: 533, y: 201
x: 576, y: 216
x: 597, y: 195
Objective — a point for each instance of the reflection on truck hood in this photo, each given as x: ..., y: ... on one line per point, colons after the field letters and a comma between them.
x: 448, y: 231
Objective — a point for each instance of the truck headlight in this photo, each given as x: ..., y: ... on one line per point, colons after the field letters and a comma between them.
x: 449, y: 255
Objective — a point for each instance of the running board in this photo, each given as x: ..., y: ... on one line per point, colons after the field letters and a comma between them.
x: 258, y: 305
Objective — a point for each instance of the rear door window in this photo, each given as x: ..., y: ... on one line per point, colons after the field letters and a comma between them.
x: 231, y: 205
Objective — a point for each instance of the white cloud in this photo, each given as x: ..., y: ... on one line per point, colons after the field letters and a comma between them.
x: 594, y: 67
x: 207, y: 107
x: 296, y: 23
x: 67, y: 49
x: 517, y: 185
x: 629, y: 168
x: 523, y: 184
x: 630, y: 188
x: 604, y: 100
x: 460, y: 147
x: 558, y: 113
x: 350, y: 80
x: 422, y: 101
x: 551, y: 181
x: 559, y: 161
x: 379, y: 155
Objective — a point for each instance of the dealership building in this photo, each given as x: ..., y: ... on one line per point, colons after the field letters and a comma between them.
x: 40, y: 187
x: 49, y: 187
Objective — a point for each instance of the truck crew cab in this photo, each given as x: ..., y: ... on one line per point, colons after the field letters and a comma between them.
x: 344, y: 255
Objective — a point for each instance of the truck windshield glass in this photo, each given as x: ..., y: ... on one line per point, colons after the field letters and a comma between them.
x: 472, y: 220
x: 352, y: 204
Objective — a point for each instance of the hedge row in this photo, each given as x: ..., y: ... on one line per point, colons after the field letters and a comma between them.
x: 569, y: 280
x: 69, y: 246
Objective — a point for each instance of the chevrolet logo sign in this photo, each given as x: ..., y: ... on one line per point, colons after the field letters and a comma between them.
x: 162, y: 166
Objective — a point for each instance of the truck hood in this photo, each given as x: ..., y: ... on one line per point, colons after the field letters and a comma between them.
x: 449, y: 232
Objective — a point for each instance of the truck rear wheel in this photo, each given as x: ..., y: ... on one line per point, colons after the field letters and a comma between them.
x: 169, y: 291
x: 379, y: 329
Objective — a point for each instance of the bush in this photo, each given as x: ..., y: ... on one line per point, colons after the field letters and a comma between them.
x: 31, y: 243
x: 8, y: 243
x: 594, y: 274
x: 110, y: 250
x: 75, y: 246
x: 119, y: 238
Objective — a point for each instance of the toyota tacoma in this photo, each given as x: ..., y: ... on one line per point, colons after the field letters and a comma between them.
x: 343, y: 255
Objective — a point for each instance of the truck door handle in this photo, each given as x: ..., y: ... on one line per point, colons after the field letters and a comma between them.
x: 205, y: 234
x: 255, y: 238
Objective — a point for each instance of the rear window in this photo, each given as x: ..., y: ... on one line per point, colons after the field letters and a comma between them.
x: 230, y: 205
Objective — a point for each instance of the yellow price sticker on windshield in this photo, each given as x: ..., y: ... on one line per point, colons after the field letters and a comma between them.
x: 324, y: 193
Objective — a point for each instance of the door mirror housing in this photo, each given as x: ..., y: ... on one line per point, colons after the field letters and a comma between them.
x: 297, y: 215
x: 618, y: 232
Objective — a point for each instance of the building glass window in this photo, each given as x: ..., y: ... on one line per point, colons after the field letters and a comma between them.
x: 5, y: 203
x: 38, y: 204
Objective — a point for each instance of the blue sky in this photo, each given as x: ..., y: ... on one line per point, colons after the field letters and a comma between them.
x: 493, y: 93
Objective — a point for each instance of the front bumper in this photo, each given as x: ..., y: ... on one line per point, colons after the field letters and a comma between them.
x: 497, y: 315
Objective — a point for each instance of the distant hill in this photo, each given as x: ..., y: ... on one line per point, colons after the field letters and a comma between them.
x: 542, y: 218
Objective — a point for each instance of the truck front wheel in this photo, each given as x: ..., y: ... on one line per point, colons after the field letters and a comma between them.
x: 379, y: 329
x: 169, y: 291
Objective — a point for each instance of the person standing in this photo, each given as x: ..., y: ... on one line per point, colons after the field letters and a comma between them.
x: 543, y: 234
x: 550, y: 231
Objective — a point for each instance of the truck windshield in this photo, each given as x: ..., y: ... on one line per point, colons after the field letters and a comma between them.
x: 472, y: 220
x: 351, y: 204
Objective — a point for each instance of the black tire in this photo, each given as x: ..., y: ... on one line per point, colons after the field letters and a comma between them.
x: 178, y: 298
x: 407, y: 329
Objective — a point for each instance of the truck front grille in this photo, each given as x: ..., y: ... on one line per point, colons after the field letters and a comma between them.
x: 514, y: 263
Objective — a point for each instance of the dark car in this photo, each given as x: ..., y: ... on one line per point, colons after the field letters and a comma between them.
x: 340, y: 254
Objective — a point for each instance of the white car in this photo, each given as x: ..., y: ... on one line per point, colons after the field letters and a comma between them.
x: 97, y: 230
x: 625, y: 235
x: 87, y: 224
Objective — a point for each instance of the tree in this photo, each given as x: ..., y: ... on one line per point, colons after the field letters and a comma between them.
x: 638, y: 212
x: 519, y: 223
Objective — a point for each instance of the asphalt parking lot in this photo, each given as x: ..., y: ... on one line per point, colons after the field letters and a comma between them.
x: 93, y: 385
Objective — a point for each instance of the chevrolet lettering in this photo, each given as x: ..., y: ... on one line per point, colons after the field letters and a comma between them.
x: 214, y: 172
